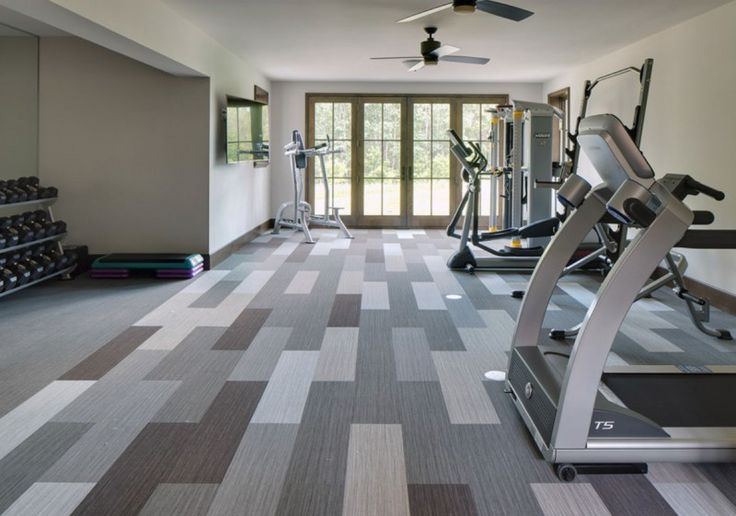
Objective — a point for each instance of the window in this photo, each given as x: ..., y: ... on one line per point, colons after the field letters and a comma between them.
x: 334, y: 120
x: 431, y: 154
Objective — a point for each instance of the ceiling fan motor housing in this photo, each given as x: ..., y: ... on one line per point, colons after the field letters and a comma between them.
x: 430, y: 46
x: 464, y: 6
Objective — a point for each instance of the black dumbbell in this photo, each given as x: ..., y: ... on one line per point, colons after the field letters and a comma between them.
x: 49, y: 264
x: 17, y: 220
x: 41, y: 216
x: 29, y: 181
x: 26, y: 235
x: 59, y: 227
x: 23, y: 274
x: 10, y: 279
x: 3, y: 197
x: 48, y: 192
x: 11, y: 186
x: 38, y: 229
x: 11, y: 196
x: 62, y: 261
x: 31, y: 192
x: 11, y: 236
x: 35, y: 268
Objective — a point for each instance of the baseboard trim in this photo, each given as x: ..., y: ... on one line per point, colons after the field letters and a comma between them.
x: 718, y: 298
x: 214, y: 259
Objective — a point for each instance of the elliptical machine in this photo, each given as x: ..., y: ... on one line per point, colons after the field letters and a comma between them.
x: 527, y: 186
x: 297, y: 214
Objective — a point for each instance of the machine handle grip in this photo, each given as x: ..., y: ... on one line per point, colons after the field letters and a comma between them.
x: 703, y: 218
x: 705, y: 189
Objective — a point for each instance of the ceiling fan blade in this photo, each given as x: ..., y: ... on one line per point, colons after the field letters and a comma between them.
x: 503, y: 10
x: 425, y: 13
x: 466, y: 60
x: 445, y: 50
x: 417, y: 66
x: 411, y: 63
x: 385, y: 58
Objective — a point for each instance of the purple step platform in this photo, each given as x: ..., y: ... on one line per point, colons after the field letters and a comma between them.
x: 160, y: 273
x: 179, y: 273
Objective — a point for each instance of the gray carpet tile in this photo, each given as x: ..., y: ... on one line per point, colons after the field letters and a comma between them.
x: 259, y: 360
x: 256, y: 475
x: 22, y: 467
x: 34, y: 413
x: 345, y: 377
x: 49, y: 498
x: 180, y: 500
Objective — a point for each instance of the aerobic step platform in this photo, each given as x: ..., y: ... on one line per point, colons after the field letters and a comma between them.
x: 172, y: 266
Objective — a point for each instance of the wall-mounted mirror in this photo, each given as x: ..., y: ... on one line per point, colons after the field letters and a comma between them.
x: 18, y: 103
x: 247, y: 131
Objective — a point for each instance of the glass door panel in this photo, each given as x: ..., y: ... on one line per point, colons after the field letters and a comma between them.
x: 333, y: 120
x: 431, y: 167
x: 382, y: 193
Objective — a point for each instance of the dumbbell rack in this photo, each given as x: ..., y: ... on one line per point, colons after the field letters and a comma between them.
x: 65, y: 273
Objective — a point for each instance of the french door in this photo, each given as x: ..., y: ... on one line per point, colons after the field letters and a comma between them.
x: 396, y: 169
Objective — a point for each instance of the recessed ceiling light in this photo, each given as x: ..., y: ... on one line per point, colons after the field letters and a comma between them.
x: 453, y: 297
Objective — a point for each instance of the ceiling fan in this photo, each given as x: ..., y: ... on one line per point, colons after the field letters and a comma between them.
x: 433, y: 52
x: 470, y: 6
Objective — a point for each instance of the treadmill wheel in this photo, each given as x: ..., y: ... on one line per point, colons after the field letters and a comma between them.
x: 566, y: 472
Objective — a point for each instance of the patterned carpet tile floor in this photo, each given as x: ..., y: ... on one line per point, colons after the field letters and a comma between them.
x: 345, y: 377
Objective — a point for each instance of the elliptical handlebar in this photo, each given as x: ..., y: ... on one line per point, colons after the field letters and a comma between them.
x: 699, y: 187
x: 469, y: 154
x: 297, y: 148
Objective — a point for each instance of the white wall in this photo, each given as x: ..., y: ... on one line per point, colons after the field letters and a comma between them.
x: 689, y: 126
x: 127, y: 146
x: 289, y: 112
x: 153, y: 33
x: 18, y: 106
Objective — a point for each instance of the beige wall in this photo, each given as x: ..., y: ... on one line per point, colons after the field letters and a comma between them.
x: 151, y: 32
x: 127, y: 146
x: 18, y: 106
x: 691, y: 122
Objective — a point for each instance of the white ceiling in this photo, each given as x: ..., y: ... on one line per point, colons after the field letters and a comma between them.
x: 334, y: 39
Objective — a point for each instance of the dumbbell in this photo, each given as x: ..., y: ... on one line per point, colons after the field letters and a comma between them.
x: 47, y: 192
x: 23, y: 225
x: 19, y: 194
x: 10, y: 279
x: 25, y: 234
x: 55, y: 228
x: 35, y: 268
x: 49, y: 264
x: 23, y: 185
x: 3, y: 197
x: 11, y: 236
x: 41, y: 216
x: 30, y: 181
x: 11, y: 196
x: 23, y: 274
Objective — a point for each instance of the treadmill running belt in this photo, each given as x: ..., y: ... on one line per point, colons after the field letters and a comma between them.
x: 678, y: 400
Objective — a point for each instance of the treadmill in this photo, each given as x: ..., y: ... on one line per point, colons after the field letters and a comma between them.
x: 584, y: 416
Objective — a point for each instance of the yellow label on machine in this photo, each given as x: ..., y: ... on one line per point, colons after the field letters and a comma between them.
x: 516, y: 243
